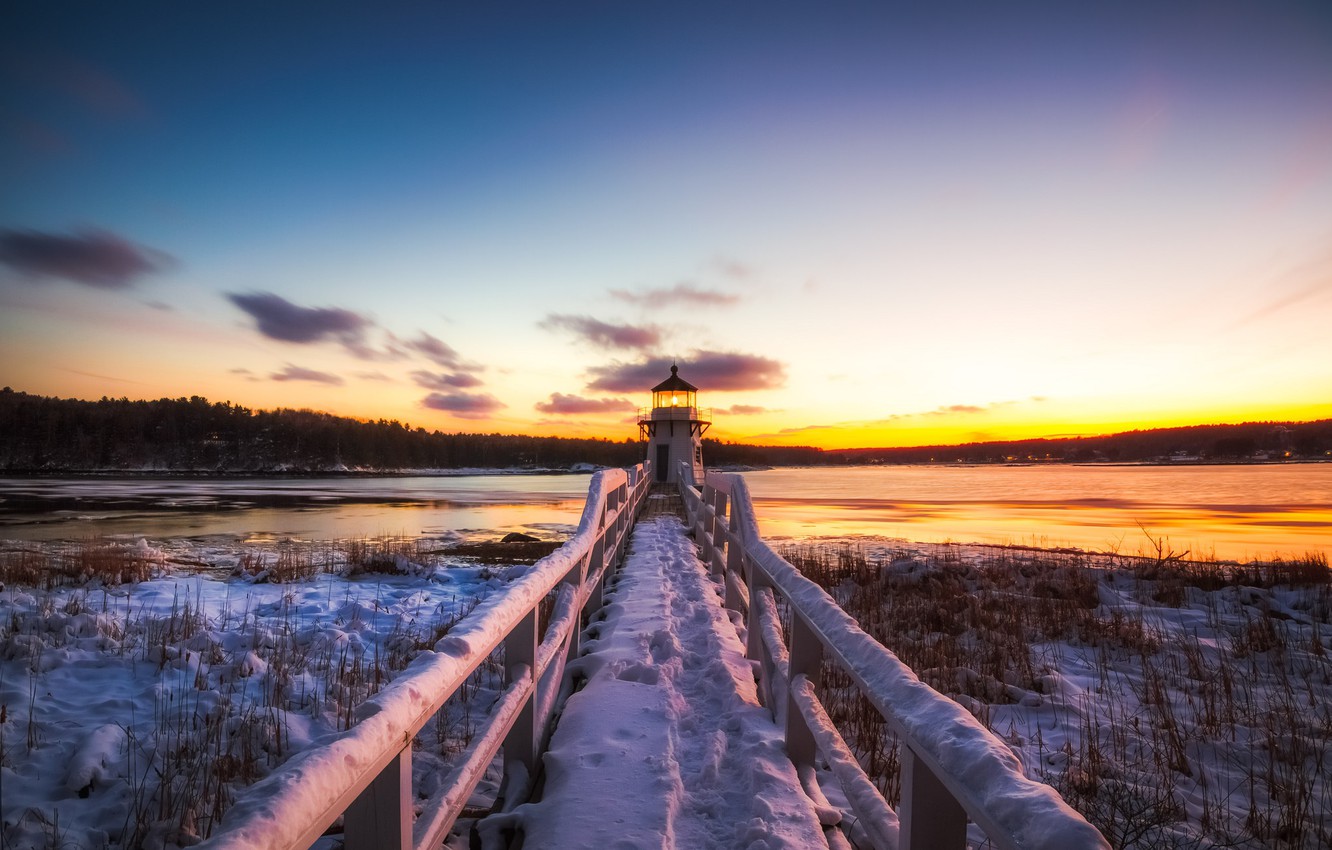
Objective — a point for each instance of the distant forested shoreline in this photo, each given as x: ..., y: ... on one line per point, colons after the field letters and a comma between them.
x: 41, y: 434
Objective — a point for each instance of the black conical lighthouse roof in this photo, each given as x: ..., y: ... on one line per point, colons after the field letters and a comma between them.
x: 674, y: 383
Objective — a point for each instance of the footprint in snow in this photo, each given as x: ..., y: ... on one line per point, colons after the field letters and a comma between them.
x: 638, y: 672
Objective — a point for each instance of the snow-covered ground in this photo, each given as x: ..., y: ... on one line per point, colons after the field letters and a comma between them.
x: 1171, y: 706
x: 131, y: 712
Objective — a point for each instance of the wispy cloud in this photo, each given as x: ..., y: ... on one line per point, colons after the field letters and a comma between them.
x: 298, y: 373
x: 96, y: 258
x: 1303, y: 168
x: 604, y: 334
x: 463, y: 405
x: 682, y: 294
x: 952, y: 410
x: 435, y: 350
x: 445, y: 381
x: 957, y: 408
x: 92, y: 87
x: 570, y: 405
x: 733, y: 268
x: 1305, y: 282
x: 708, y: 370
x: 1142, y: 124
x: 742, y: 410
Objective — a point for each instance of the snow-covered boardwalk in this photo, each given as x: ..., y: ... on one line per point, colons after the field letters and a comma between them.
x: 666, y: 745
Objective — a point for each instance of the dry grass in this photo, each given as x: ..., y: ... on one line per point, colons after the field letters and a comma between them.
x: 231, y: 682
x: 92, y: 561
x: 1212, y: 734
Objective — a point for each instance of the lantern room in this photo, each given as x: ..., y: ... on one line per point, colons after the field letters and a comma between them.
x: 673, y: 428
x: 674, y: 392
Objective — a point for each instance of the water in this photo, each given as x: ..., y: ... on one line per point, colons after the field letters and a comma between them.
x: 303, y: 508
x: 1229, y: 512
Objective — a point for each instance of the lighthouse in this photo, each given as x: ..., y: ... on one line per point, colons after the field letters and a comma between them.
x: 673, y: 428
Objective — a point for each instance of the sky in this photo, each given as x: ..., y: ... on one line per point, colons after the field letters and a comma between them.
x: 849, y: 224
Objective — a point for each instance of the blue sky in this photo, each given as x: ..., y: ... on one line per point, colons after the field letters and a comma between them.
x: 852, y: 224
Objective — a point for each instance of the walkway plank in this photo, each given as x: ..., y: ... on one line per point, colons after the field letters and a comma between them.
x: 666, y: 746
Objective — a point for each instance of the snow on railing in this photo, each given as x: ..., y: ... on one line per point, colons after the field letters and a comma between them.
x: 953, y: 768
x: 366, y: 770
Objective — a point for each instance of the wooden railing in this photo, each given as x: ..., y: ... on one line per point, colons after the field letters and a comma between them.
x: 952, y: 768
x: 366, y: 770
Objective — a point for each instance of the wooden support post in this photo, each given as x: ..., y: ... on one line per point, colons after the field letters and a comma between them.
x: 381, y: 815
x: 578, y: 577
x: 931, y: 818
x: 753, y: 625
x: 700, y: 526
x: 719, y: 525
x: 735, y: 565
x: 806, y: 659
x: 520, y: 745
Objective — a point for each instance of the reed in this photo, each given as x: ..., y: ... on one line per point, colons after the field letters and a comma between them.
x: 1205, y: 713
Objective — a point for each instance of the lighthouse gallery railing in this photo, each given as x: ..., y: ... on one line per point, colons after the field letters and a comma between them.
x: 366, y: 771
x: 952, y: 768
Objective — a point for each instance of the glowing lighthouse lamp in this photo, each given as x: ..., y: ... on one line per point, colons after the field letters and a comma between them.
x: 673, y: 428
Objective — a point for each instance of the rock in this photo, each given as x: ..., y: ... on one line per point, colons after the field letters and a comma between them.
x: 519, y: 537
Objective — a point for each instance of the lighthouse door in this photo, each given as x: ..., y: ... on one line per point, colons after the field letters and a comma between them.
x: 663, y: 461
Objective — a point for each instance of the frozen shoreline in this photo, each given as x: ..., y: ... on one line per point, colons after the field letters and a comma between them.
x: 107, y: 685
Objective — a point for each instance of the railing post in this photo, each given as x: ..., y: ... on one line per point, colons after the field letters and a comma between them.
x: 806, y: 659
x: 595, y: 560
x: 520, y: 745
x: 931, y: 819
x: 735, y: 565
x: 381, y: 815
x: 718, y: 532
x: 703, y: 524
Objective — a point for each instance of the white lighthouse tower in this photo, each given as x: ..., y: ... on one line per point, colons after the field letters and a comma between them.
x: 674, y: 428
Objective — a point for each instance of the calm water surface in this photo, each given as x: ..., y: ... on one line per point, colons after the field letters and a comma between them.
x: 1231, y: 512
x: 306, y: 508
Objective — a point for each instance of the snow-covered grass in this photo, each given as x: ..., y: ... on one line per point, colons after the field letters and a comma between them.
x: 1174, y: 704
x: 142, y: 685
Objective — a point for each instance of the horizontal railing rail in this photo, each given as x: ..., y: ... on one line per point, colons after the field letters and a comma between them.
x: 667, y: 414
x: 365, y: 772
x: 952, y: 768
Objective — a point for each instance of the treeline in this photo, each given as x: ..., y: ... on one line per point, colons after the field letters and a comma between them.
x: 42, y: 434
x: 1248, y: 442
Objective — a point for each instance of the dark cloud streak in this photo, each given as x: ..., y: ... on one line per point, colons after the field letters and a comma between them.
x: 445, y: 381
x: 298, y: 373
x: 604, y: 334
x: 684, y: 294
x: 573, y: 405
x: 277, y: 318
x: 96, y: 258
x: 435, y: 350
x: 463, y: 405
x: 708, y: 370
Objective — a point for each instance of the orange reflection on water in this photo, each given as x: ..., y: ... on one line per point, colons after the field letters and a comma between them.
x: 1230, y: 513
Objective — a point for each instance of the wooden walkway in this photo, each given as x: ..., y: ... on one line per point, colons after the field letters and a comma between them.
x: 666, y: 745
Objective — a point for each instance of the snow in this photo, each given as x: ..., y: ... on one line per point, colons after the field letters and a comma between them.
x: 668, y: 725
x: 106, y: 690
x: 282, y: 809
x: 979, y: 770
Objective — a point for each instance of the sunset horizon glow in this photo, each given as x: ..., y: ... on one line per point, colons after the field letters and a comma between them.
x: 850, y: 226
